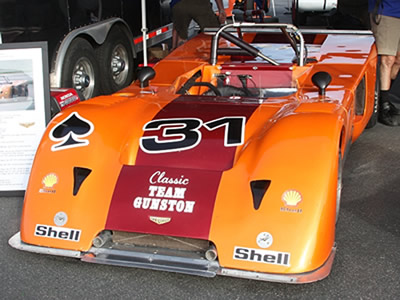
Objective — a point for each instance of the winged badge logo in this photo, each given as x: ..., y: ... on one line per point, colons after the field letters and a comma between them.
x: 160, y: 220
x: 27, y: 124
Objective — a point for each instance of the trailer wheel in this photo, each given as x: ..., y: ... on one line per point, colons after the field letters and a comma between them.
x: 80, y: 69
x: 118, y: 67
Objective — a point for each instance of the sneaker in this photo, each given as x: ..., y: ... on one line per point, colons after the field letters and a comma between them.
x: 393, y: 109
x: 386, y: 116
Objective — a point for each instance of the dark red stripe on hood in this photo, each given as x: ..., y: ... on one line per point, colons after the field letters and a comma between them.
x: 147, y: 196
x: 210, y: 153
x: 173, y: 193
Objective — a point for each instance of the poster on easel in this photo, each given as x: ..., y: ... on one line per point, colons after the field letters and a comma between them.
x: 24, y: 111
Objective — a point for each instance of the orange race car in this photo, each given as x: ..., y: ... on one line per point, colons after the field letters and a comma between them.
x: 225, y: 158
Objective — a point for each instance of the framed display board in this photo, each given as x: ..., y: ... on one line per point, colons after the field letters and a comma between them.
x: 24, y: 111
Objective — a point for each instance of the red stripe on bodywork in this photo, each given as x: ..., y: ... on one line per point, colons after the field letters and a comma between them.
x: 141, y: 194
x: 186, y: 182
x: 210, y: 154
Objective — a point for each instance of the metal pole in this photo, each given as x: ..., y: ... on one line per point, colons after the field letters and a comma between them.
x: 144, y: 31
x: 273, y: 8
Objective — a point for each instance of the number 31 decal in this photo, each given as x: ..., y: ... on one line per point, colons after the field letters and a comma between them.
x: 185, y: 134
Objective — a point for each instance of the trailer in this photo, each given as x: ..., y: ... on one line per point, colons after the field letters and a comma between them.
x: 93, y: 45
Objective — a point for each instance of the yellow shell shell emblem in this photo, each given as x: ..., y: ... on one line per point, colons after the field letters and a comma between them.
x: 291, y: 197
x: 50, y: 180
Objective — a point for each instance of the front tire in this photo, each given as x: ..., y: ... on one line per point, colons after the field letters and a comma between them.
x: 80, y: 69
x: 117, y: 67
x: 339, y: 186
x: 374, y: 117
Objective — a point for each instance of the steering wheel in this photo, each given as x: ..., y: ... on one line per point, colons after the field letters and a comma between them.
x: 201, y: 83
x: 229, y: 90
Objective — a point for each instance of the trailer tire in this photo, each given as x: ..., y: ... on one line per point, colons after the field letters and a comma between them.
x: 117, y: 66
x: 80, y: 69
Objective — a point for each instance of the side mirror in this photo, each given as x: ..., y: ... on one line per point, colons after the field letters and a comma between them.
x: 321, y: 80
x: 144, y: 75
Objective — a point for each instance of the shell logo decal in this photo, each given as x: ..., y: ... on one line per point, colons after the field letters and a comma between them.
x: 50, y: 180
x: 292, y: 197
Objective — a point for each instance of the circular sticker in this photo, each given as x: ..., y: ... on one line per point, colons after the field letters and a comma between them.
x: 264, y: 240
x: 60, y: 218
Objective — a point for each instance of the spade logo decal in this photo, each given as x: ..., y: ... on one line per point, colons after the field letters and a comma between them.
x: 71, y: 132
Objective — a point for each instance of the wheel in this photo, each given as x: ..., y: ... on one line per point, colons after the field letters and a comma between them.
x: 374, y: 117
x: 339, y: 184
x: 80, y: 69
x: 298, y: 18
x: 118, y: 67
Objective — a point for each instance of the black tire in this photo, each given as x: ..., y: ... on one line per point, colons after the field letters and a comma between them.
x: 339, y: 186
x: 298, y: 18
x: 80, y: 69
x: 374, y: 117
x: 117, y: 63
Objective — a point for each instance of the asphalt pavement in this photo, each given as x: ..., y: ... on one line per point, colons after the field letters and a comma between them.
x: 367, y: 263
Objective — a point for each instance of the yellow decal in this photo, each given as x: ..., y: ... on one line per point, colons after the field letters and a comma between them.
x: 50, y: 180
x: 291, y: 197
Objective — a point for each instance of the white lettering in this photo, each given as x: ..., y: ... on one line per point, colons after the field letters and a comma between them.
x: 155, y: 203
x: 189, y: 206
x: 180, y: 206
x: 160, y: 177
x: 161, y: 191
x: 171, y: 203
x: 164, y: 204
x: 152, y: 190
x: 146, y: 203
x: 168, y: 193
x: 179, y: 193
x: 137, y: 203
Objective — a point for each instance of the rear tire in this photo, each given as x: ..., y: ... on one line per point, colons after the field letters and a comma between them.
x: 117, y: 63
x: 80, y: 69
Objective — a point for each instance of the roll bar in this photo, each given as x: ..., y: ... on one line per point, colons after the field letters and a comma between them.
x: 290, y: 31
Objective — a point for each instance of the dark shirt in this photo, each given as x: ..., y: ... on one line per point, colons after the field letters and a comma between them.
x: 173, y: 2
x: 390, y: 8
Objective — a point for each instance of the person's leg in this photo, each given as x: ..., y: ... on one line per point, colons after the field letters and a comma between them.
x: 204, y: 15
x: 386, y: 39
x: 396, y: 66
x: 181, y: 20
x: 386, y: 67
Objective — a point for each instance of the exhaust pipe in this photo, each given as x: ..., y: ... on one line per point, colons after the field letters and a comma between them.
x: 104, y: 237
x: 211, y: 253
